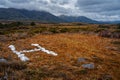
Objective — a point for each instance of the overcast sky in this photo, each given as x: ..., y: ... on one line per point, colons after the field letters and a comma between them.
x: 96, y: 9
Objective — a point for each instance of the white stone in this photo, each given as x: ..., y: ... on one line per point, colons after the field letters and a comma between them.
x: 89, y: 66
x: 2, y: 60
x: 81, y: 59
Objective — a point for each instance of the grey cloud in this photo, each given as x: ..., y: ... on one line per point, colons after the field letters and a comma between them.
x: 3, y: 2
x: 98, y: 6
x: 19, y: 1
x: 62, y: 2
x: 89, y: 2
x: 101, y: 9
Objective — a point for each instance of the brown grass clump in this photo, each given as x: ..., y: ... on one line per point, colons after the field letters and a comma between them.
x: 11, y: 70
x: 65, y: 66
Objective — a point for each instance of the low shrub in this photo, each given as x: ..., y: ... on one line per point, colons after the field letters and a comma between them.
x: 106, y: 33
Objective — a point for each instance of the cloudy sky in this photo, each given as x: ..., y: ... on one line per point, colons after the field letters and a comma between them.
x: 105, y: 10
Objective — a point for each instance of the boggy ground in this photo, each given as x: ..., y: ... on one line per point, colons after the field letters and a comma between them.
x: 103, y: 52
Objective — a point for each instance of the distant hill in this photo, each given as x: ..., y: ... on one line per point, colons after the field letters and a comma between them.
x: 85, y: 20
x: 43, y: 16
x: 77, y: 19
x: 22, y: 14
x: 110, y: 22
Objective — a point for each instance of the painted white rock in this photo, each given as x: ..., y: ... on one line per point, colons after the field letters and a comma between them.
x: 24, y: 58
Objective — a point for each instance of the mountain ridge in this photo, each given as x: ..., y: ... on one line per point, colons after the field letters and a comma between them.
x: 23, y: 14
x: 77, y: 19
x: 44, y: 16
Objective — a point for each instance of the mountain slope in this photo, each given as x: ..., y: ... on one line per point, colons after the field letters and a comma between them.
x: 43, y: 16
x: 22, y: 14
x: 77, y: 19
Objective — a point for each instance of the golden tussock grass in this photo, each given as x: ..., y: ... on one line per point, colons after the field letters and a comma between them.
x: 69, y: 47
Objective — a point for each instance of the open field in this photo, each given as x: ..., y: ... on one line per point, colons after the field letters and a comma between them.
x: 71, y: 42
